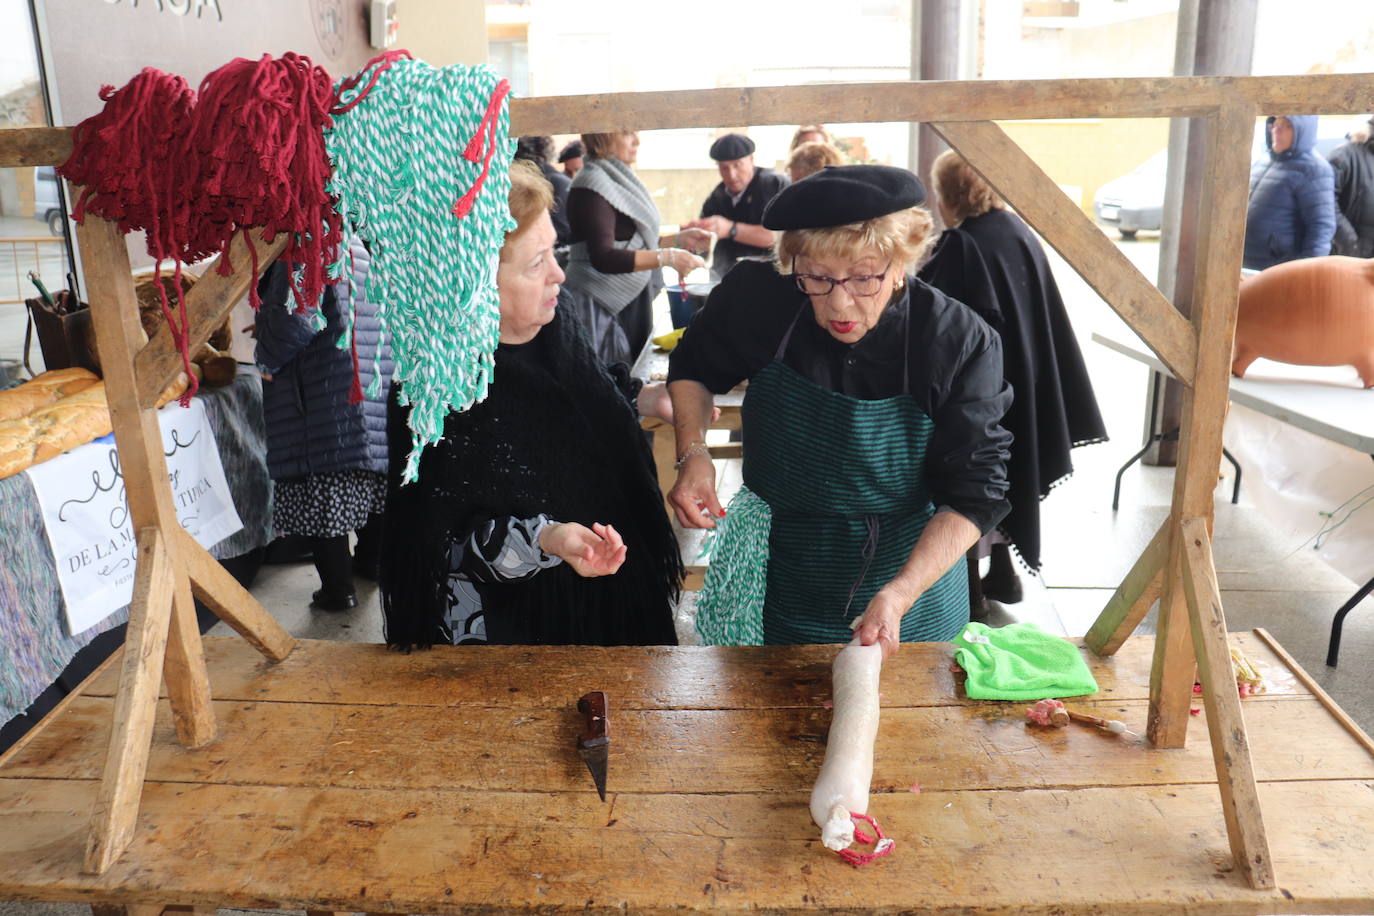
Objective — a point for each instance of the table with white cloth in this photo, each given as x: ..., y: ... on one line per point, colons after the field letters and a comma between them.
x: 1307, y: 434
x: 36, y: 644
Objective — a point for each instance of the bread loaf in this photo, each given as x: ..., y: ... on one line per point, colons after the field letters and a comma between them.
x: 62, y: 426
x: 42, y: 390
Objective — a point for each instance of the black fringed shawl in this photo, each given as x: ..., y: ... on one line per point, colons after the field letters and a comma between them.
x: 996, y: 266
x: 555, y: 435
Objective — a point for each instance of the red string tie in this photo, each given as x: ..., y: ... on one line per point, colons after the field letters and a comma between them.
x: 881, y: 844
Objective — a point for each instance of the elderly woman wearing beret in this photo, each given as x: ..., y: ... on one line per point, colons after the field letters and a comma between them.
x: 874, y: 455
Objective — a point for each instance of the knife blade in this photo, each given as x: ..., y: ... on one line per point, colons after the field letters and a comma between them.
x: 593, y: 745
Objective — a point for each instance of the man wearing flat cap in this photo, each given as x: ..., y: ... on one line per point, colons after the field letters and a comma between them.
x: 734, y: 211
x: 876, y: 455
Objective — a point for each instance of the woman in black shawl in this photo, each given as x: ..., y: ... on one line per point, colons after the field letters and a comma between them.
x: 1054, y: 409
x: 537, y: 518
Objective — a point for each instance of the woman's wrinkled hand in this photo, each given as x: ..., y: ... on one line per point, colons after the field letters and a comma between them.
x: 695, y: 240
x: 881, y: 621
x: 717, y: 224
x: 693, y: 496
x: 594, y: 551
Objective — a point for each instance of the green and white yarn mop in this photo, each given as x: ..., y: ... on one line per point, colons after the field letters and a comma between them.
x: 730, y: 609
x: 422, y: 170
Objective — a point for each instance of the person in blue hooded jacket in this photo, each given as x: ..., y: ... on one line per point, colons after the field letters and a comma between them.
x: 327, y: 456
x: 1292, y: 196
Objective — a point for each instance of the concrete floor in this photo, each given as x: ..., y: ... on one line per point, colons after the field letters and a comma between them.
x: 1265, y: 581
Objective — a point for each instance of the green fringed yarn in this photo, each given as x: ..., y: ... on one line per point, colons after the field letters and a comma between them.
x: 730, y: 609
x: 422, y: 170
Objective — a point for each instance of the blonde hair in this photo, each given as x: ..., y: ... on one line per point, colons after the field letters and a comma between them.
x: 530, y: 195
x: 811, y: 157
x: 962, y: 192
x: 602, y: 146
x: 904, y: 236
x: 810, y: 129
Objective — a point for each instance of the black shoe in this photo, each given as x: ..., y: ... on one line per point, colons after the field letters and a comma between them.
x: 324, y: 601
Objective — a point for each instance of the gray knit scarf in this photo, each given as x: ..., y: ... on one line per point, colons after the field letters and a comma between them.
x: 620, y: 187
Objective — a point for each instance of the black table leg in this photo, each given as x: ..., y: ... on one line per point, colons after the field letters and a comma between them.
x: 1333, y: 648
x: 1235, y: 488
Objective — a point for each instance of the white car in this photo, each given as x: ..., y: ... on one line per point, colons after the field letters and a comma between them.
x: 1135, y: 201
x: 47, y: 204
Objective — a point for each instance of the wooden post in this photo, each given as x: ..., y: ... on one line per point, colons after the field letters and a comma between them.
x: 164, y: 636
x: 126, y: 759
x: 1224, y: 189
x: 1213, y: 38
x: 1225, y: 723
x: 138, y: 441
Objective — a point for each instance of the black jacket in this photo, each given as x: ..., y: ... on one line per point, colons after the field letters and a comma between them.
x: 1353, y: 163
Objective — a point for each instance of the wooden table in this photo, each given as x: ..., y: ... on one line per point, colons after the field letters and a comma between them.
x: 349, y: 777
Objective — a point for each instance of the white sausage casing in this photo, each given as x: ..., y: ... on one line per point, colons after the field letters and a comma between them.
x: 842, y: 787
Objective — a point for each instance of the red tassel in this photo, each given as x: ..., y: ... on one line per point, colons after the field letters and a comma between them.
x: 490, y: 121
x: 384, y: 61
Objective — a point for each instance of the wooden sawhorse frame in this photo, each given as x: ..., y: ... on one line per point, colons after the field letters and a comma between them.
x: 1176, y: 568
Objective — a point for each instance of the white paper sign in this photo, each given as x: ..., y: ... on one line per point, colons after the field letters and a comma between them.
x: 81, y: 495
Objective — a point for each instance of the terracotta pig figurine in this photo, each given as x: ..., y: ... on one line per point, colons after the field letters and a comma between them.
x: 1312, y: 312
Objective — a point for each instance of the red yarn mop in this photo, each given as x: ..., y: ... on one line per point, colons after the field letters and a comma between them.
x: 249, y: 153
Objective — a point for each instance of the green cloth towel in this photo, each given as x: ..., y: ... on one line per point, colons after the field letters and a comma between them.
x: 1020, y: 662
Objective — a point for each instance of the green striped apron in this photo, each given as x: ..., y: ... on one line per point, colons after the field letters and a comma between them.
x: 845, y: 480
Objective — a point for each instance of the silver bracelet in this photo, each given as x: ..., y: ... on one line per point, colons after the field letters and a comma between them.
x: 698, y: 447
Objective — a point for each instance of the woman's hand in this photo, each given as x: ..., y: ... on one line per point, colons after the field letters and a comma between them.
x: 693, y: 496
x: 881, y: 621
x: 697, y: 241
x: 653, y: 401
x: 594, y: 551
x: 717, y: 224
x: 680, y: 260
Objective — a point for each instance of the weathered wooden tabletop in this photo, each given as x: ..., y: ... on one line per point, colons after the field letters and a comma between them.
x: 353, y: 778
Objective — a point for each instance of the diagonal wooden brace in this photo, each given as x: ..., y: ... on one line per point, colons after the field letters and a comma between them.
x: 207, y: 304
x: 1225, y: 722
x: 1133, y: 598
x: 1060, y: 222
x: 231, y: 602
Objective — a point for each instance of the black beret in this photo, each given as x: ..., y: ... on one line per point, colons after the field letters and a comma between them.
x: 842, y: 194
x: 731, y: 147
x: 572, y: 151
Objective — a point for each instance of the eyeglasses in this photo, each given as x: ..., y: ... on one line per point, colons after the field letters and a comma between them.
x: 858, y: 287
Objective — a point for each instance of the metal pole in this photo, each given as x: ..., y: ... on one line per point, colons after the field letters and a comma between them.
x: 938, y: 59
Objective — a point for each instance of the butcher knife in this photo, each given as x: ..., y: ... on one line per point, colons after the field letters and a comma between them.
x: 595, y: 743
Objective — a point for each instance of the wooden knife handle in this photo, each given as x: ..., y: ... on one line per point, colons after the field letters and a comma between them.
x: 594, y: 709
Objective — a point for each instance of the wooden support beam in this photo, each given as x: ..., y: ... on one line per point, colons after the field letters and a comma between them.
x: 126, y: 760
x: 1133, y: 598
x: 138, y: 441
x: 30, y: 146
x: 1224, y: 190
x: 977, y: 100
x: 980, y: 100
x: 207, y: 304
x: 1225, y: 722
x: 233, y: 604
x: 1060, y: 222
